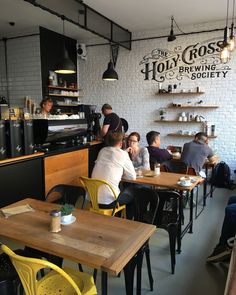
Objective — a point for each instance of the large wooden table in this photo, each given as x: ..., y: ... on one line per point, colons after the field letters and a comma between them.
x: 170, y: 181
x: 98, y: 241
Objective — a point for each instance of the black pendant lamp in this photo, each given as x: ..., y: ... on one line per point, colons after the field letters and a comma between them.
x: 171, y: 37
x: 66, y: 66
x: 110, y: 74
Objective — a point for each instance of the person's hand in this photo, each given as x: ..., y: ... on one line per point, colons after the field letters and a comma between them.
x: 129, y: 150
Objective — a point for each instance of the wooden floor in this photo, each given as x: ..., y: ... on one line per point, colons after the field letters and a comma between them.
x: 192, y: 275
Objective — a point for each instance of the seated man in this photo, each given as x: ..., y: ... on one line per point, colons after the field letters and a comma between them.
x: 111, y: 122
x: 112, y: 164
x: 196, y: 152
x: 157, y: 155
x: 222, y: 250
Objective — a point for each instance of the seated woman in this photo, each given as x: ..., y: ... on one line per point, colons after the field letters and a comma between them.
x: 46, y: 105
x: 139, y: 155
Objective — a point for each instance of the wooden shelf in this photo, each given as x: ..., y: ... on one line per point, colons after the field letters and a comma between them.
x: 180, y: 93
x: 187, y: 135
x: 66, y: 105
x: 62, y: 95
x: 195, y: 106
x: 177, y: 121
x: 63, y: 88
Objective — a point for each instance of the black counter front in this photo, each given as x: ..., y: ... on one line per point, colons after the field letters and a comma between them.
x: 33, y: 175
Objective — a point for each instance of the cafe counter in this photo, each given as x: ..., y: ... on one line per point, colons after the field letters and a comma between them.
x: 34, y: 175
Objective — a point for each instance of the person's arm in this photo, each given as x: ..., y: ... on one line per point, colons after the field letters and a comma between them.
x: 129, y: 172
x: 145, y: 159
x: 104, y: 130
x: 211, y: 157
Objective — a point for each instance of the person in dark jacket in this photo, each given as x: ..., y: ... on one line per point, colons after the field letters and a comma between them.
x: 157, y: 155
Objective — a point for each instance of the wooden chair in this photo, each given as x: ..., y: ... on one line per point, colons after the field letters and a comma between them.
x: 56, y: 281
x: 92, y: 186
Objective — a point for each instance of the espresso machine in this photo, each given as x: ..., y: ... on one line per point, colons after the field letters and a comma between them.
x: 93, y: 119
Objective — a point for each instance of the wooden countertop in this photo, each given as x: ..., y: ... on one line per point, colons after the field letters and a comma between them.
x: 94, y: 142
x: 25, y: 157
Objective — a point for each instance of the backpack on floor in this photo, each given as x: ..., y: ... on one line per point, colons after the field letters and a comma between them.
x: 221, y: 176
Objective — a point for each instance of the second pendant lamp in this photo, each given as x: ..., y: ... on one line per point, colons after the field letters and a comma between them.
x: 65, y: 66
x: 110, y: 74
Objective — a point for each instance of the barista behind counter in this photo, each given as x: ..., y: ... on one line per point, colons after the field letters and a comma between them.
x: 46, y: 105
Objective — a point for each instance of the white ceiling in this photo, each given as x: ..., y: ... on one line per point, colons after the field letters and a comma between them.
x: 134, y: 15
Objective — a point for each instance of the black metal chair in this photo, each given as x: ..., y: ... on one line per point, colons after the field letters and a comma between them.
x: 168, y: 218
x: 146, y: 203
x: 65, y: 193
x: 9, y: 279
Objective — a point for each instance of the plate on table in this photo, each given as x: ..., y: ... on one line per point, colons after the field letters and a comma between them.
x: 179, y: 183
x: 72, y: 220
x: 149, y: 174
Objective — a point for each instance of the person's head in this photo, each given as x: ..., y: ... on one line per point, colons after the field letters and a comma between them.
x: 114, y: 138
x: 133, y: 139
x: 46, y: 104
x: 201, y: 137
x: 106, y: 109
x: 153, y: 138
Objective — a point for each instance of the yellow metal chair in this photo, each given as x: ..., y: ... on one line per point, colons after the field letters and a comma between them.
x: 56, y: 282
x: 92, y: 186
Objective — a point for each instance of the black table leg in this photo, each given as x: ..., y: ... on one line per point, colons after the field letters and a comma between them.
x: 129, y: 275
x: 191, y: 213
x: 104, y: 283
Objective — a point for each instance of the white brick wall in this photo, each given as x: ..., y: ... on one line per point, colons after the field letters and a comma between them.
x: 24, y: 70
x: 134, y: 99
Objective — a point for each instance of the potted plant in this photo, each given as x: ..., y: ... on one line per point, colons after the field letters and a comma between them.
x: 162, y: 113
x: 66, y: 212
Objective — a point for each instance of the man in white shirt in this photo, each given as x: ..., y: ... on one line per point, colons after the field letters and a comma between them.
x: 111, y: 165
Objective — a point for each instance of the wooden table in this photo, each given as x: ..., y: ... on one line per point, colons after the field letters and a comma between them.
x: 98, y: 241
x: 170, y: 181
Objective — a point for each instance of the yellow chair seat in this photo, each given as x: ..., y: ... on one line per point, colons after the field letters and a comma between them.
x: 53, y: 283
x: 56, y: 282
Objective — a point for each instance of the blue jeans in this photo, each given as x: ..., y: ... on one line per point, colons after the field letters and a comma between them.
x: 229, y: 225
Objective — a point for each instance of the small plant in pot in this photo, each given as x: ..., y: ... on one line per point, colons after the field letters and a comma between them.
x: 66, y: 212
x: 162, y: 113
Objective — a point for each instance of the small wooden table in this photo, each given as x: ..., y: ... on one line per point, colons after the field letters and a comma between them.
x: 170, y: 181
x: 207, y: 165
x: 98, y: 241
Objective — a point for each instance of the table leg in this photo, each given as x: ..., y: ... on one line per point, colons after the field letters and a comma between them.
x: 191, y: 213
x: 205, y: 187
x: 104, y: 283
x: 129, y: 275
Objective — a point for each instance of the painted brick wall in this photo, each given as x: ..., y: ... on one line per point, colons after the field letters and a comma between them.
x: 24, y: 70
x: 134, y: 99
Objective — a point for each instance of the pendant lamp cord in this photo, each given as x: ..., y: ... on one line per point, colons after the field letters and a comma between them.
x: 177, y: 25
x: 227, y: 15
x: 233, y: 11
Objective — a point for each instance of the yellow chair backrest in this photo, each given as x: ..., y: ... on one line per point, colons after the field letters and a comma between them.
x: 27, y: 269
x: 92, y: 186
